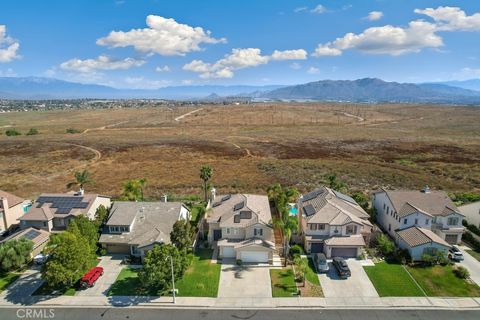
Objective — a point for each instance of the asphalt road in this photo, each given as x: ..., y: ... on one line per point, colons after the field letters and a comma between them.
x: 189, y: 314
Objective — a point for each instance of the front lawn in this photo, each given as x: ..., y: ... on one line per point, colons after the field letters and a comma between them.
x: 6, y: 278
x: 283, y: 282
x: 474, y: 254
x: 312, y: 286
x: 391, y: 280
x: 201, y: 278
x: 440, y: 281
x: 128, y: 284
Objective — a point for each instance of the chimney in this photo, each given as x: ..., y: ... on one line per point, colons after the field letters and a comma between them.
x: 426, y: 189
x: 214, y: 193
x: 4, y: 203
x: 81, y: 192
x: 164, y: 198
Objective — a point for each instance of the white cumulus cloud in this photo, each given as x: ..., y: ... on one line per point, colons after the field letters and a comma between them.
x: 100, y: 63
x: 162, y: 69
x: 163, y: 36
x: 298, y: 54
x: 452, y: 18
x: 313, y: 70
x: 374, y: 15
x: 326, y: 50
x: 319, y: 9
x: 8, y: 46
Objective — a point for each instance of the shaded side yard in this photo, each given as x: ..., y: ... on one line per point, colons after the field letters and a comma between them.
x: 200, y: 280
x: 283, y: 282
x: 6, y: 278
x: 391, y: 280
x: 440, y: 281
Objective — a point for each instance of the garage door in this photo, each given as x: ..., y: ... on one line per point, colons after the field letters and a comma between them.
x: 344, y: 252
x: 451, y: 238
x: 254, y: 256
x: 316, y: 248
x: 114, y: 248
x: 229, y: 252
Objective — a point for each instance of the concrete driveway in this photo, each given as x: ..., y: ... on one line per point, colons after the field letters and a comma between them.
x: 472, y: 264
x: 358, y: 285
x: 21, y: 290
x: 111, y: 268
x: 244, y: 281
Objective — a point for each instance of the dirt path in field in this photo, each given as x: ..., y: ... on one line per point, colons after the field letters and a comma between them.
x: 104, y: 127
x: 188, y: 114
x: 360, y: 119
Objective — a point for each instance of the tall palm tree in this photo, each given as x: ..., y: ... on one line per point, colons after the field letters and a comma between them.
x: 206, y: 174
x: 133, y: 189
x: 141, y: 183
x: 81, y: 179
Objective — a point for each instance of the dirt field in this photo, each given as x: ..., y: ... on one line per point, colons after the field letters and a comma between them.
x: 249, y: 147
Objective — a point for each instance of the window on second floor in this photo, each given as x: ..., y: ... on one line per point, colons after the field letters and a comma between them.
x: 416, y: 221
x: 427, y: 221
x: 405, y: 221
x: 228, y: 230
x: 321, y: 226
x: 351, y: 229
x: 258, y: 232
x: 313, y: 226
x: 452, y: 221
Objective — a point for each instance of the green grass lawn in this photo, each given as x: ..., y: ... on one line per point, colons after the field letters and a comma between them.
x: 201, y: 278
x: 194, y: 212
x: 283, y: 282
x: 128, y: 284
x: 391, y: 280
x: 474, y: 254
x: 440, y: 281
x: 311, y: 274
x: 6, y: 278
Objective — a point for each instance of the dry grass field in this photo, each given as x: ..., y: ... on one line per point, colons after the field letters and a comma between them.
x: 249, y: 147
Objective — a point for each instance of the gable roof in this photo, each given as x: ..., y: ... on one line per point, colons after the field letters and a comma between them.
x: 151, y: 222
x: 434, y: 202
x: 240, y: 210
x: 324, y: 205
x: 37, y: 236
x: 415, y: 236
x: 12, y: 199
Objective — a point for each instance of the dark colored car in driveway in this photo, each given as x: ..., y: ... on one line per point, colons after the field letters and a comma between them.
x: 342, y: 267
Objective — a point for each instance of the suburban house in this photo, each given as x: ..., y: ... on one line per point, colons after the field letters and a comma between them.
x: 11, y: 209
x: 428, y: 209
x: 135, y: 227
x: 37, y: 236
x: 53, y: 212
x: 241, y: 227
x: 333, y: 223
x: 419, y: 241
x: 471, y: 212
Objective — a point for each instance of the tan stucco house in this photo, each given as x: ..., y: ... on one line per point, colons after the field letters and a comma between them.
x: 241, y: 227
x: 333, y: 223
x: 11, y: 209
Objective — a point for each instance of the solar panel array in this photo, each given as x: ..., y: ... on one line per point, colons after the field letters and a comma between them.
x: 242, y: 215
x: 344, y: 197
x: 311, y: 195
x: 309, y: 210
x: 239, y: 206
x: 63, y: 204
x: 32, y: 234
x: 225, y: 198
x: 216, y: 204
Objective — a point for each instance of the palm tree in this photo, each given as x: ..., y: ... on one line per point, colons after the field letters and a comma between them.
x: 81, y: 179
x: 141, y: 183
x: 206, y: 174
x: 132, y: 189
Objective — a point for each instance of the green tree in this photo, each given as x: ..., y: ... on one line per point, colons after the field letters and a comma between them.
x: 206, y: 174
x: 335, y: 184
x: 101, y: 216
x: 81, y: 179
x: 133, y: 190
x: 82, y: 227
x: 15, y: 254
x: 12, y: 132
x: 301, y: 265
x: 181, y: 235
x: 32, y: 132
x: 70, y: 259
x: 385, y: 245
x: 362, y: 200
x: 156, y: 273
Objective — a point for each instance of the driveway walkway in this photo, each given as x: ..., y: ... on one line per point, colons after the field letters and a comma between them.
x: 244, y: 281
x: 358, y: 285
x: 111, y: 268
x: 472, y: 264
x: 21, y: 290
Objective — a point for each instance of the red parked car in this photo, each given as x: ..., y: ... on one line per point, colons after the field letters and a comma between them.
x: 89, y: 279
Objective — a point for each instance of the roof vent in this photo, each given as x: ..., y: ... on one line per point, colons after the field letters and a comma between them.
x: 426, y: 189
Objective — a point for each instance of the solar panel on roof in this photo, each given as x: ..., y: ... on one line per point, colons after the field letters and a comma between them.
x: 216, y: 204
x: 63, y: 210
x: 344, y: 197
x: 311, y: 195
x: 226, y: 197
x: 32, y: 234
x: 239, y: 206
x: 309, y: 210
x: 236, y: 218
x: 245, y: 214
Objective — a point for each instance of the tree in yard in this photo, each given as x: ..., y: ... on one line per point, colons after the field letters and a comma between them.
x: 335, y: 184
x: 385, y: 245
x: 181, y: 235
x: 362, y: 200
x: 133, y: 190
x: 101, y: 216
x: 82, y: 227
x: 206, y: 174
x: 69, y: 260
x: 81, y: 179
x: 156, y: 273
x: 301, y: 265
x: 15, y: 254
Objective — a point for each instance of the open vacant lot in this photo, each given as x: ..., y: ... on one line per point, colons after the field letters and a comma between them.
x: 249, y: 147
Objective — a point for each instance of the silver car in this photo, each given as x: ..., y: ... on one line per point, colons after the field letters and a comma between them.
x: 320, y: 262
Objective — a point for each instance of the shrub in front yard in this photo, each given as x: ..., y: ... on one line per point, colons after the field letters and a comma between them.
x: 385, y: 245
x: 430, y: 259
x: 461, y: 272
x: 295, y: 251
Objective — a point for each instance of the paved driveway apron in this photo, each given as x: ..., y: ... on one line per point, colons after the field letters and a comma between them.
x: 358, y: 285
x: 244, y: 281
x: 473, y: 265
x: 111, y: 268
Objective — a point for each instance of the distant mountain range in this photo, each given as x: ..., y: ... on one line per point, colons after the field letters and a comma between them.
x: 362, y: 90
x: 472, y: 84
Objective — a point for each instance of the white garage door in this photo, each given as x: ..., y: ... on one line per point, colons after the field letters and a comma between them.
x: 254, y: 256
x: 228, y: 252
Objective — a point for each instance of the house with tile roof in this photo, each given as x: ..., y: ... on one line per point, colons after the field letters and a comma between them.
x: 53, y: 211
x: 333, y: 223
x: 38, y: 237
x: 135, y: 227
x: 428, y: 209
x: 12, y: 208
x: 418, y: 241
x: 241, y: 226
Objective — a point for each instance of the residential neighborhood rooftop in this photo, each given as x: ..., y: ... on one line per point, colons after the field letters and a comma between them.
x: 37, y: 236
x: 12, y: 199
x: 416, y: 236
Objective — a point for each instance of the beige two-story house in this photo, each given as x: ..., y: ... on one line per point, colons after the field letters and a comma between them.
x: 241, y: 226
x: 333, y: 223
x: 11, y: 209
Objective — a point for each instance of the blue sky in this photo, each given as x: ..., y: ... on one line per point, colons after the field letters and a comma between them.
x: 153, y: 43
